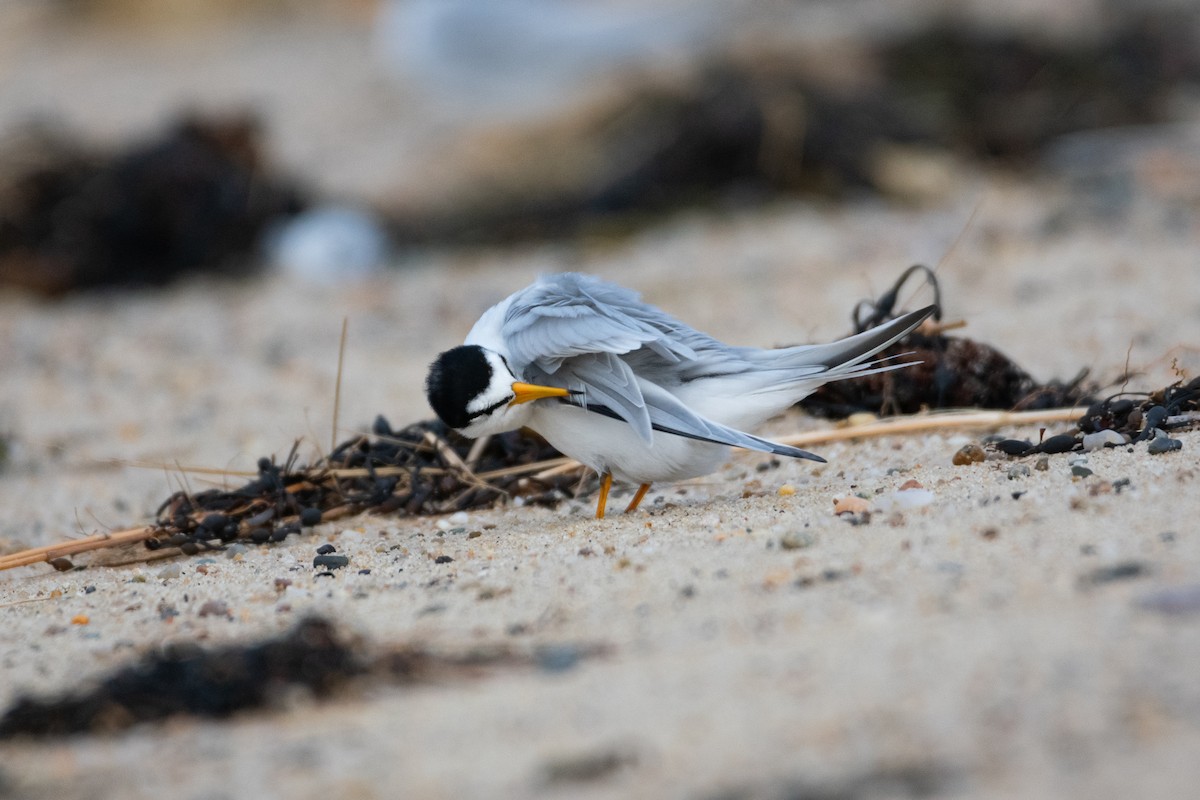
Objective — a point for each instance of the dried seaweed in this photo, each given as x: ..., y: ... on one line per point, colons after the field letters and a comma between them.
x: 946, y: 372
x: 743, y: 129
x: 1137, y: 416
x: 187, y: 680
x: 421, y: 469
x: 196, y: 197
x: 315, y: 656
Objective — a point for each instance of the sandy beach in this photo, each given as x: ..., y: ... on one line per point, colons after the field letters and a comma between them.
x: 1024, y: 633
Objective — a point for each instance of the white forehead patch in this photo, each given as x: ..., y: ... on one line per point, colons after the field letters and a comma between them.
x: 499, y: 388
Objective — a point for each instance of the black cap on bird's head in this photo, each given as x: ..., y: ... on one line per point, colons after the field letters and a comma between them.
x: 456, y: 378
x: 468, y: 384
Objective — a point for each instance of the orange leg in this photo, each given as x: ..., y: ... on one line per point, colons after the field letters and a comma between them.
x: 637, y: 498
x: 605, y: 485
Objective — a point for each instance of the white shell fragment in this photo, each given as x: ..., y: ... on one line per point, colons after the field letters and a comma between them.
x: 1100, y: 439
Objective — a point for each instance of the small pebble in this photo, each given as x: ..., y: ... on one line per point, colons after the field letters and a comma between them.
x: 1163, y: 444
x: 585, y: 767
x: 797, y: 540
x: 310, y: 517
x: 1176, y: 601
x: 1042, y: 464
x: 1080, y: 471
x: 558, y: 657
x: 214, y: 608
x: 80, y: 619
x: 235, y: 550
x: 787, y: 490
x: 460, y: 518
x: 1100, y: 439
x: 169, y: 572
x: 1115, y: 572
x: 1018, y: 471
x: 905, y: 500
x: 330, y: 561
x: 969, y: 454
x: 326, y: 549
x: 853, y: 504
x: 474, y: 534
x: 443, y: 560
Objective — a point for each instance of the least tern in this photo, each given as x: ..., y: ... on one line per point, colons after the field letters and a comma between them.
x: 627, y: 389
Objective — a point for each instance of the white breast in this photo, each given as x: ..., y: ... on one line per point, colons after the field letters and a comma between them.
x: 609, y: 445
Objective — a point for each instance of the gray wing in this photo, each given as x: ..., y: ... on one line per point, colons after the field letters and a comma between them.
x: 582, y: 331
x: 568, y: 315
x: 669, y: 415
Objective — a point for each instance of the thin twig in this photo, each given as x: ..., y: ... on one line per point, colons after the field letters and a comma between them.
x: 28, y: 600
x: 95, y: 542
x: 931, y: 328
x: 476, y: 451
x: 525, y: 469
x: 337, y: 389
x: 455, y: 461
x: 949, y: 420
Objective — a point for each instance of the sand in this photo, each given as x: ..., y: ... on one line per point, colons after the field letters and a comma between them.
x: 1010, y: 638
x: 962, y: 648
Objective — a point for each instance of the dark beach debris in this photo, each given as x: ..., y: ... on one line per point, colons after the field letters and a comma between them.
x: 947, y: 371
x: 741, y: 129
x: 952, y: 372
x: 187, y: 680
x: 586, y: 767
x: 1014, y: 447
x: 330, y: 562
x: 1059, y: 443
x: 900, y: 782
x: 197, y: 196
x: 1122, y: 419
x: 1004, y: 94
x: 1162, y: 444
x: 418, y: 470
x: 1123, y: 570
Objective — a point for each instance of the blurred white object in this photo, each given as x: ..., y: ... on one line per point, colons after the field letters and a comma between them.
x: 535, y: 53
x: 329, y: 245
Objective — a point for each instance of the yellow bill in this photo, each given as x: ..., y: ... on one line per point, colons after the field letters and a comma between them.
x: 528, y: 391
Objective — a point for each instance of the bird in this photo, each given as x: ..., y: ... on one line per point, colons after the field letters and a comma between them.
x: 628, y: 390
